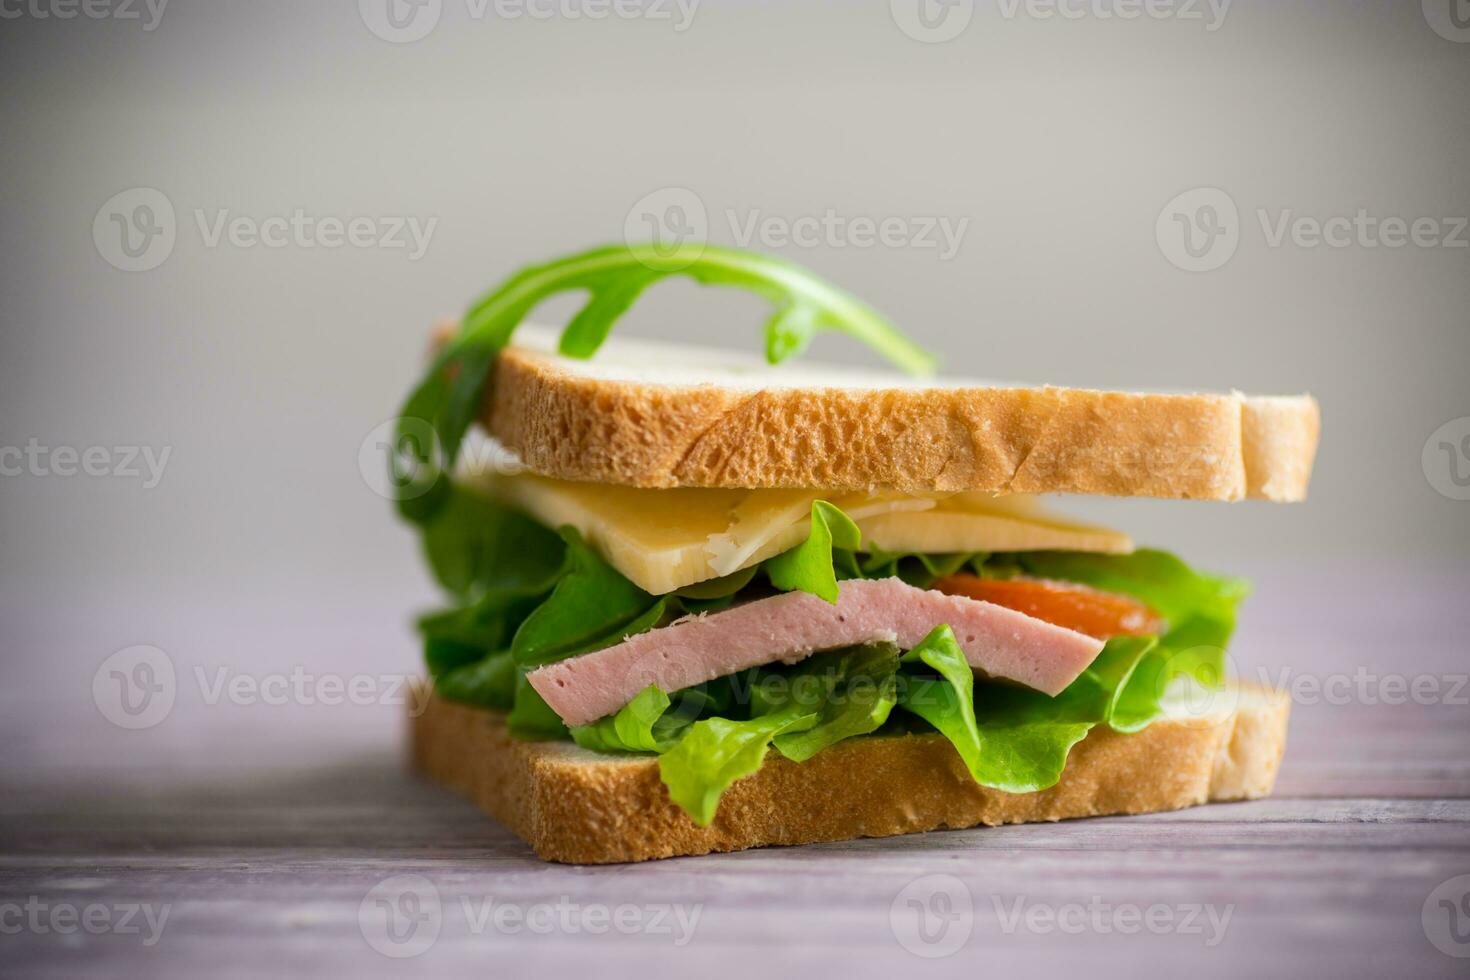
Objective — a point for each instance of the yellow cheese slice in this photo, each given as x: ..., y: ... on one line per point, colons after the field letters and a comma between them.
x: 664, y: 540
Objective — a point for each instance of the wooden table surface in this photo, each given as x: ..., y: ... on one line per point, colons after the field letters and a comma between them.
x: 268, y: 833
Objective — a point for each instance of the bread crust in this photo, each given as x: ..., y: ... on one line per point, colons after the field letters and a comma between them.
x: 576, y: 426
x: 581, y: 807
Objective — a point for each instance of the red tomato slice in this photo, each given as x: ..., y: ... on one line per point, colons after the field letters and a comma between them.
x: 1076, y: 607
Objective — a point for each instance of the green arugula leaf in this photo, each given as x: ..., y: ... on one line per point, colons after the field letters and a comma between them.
x: 489, y: 682
x: 441, y: 408
x: 531, y: 718
x: 719, y: 588
x: 918, y: 570
x: 592, y: 604
x: 476, y: 544
x: 453, y: 637
x: 810, y: 567
x: 717, y: 751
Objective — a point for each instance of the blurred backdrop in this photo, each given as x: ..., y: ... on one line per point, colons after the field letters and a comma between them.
x: 228, y: 226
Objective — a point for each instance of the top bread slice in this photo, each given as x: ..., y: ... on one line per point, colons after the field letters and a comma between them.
x: 647, y: 414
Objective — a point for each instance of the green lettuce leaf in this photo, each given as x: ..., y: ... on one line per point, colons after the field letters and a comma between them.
x: 1200, y: 610
x: 810, y: 567
x: 1142, y: 700
x: 1013, y: 738
x: 648, y: 723
x: 853, y: 692
x: 715, y: 752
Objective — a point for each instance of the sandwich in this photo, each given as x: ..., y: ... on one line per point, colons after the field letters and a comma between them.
x: 703, y: 600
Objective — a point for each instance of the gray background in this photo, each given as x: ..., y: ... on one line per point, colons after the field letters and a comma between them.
x: 1060, y: 140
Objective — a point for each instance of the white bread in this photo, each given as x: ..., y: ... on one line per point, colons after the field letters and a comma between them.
x: 661, y: 415
x: 582, y: 807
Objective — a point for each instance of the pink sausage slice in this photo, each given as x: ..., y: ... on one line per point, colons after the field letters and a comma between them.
x: 998, y: 641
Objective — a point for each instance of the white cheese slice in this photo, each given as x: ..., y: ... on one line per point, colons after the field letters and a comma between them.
x: 664, y: 540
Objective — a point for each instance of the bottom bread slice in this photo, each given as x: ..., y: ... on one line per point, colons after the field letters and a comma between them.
x: 584, y: 807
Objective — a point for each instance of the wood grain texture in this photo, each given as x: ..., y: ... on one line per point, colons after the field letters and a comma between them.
x: 264, y: 831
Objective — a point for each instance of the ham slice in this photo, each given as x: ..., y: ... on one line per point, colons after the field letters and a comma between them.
x: 997, y: 641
